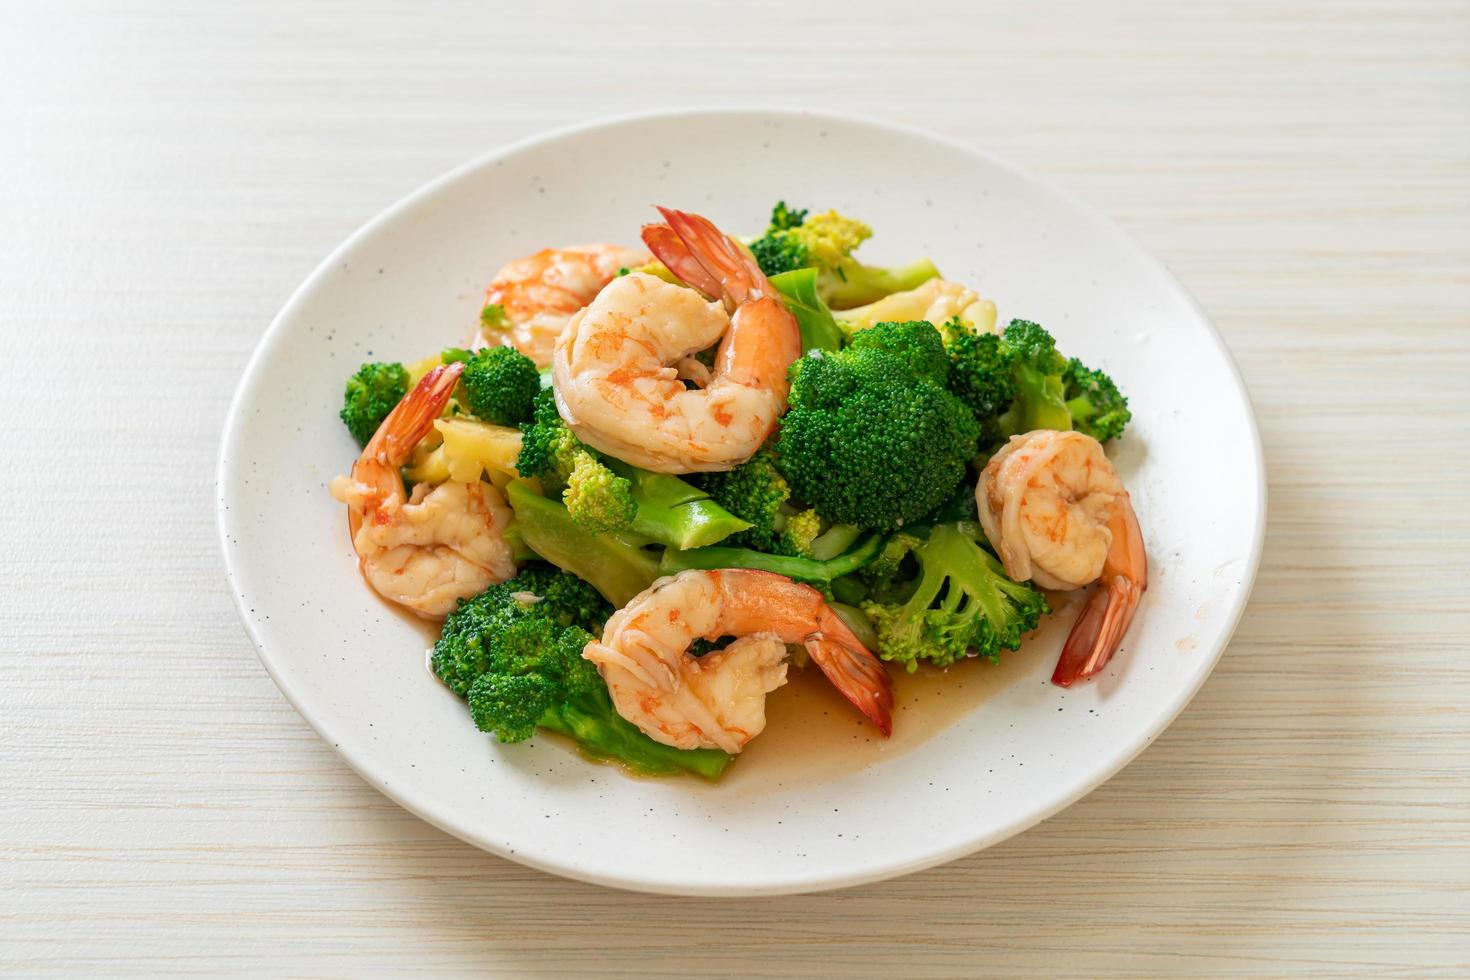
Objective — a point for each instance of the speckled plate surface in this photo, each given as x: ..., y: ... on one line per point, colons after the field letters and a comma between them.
x: 817, y: 802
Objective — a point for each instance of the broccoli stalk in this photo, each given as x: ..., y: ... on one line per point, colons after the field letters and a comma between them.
x: 370, y: 395
x: 825, y: 242
x: 514, y: 652
x: 873, y: 437
x: 616, y: 565
x: 674, y: 512
x: 802, y: 569
x: 962, y: 604
x: 606, y: 495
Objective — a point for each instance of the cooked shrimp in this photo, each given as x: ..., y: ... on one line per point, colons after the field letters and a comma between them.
x: 1055, y: 511
x: 719, y: 700
x: 617, y: 366
x: 443, y: 543
x: 538, y: 293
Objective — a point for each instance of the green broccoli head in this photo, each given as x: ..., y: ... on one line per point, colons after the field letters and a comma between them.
x: 961, y: 604
x: 1098, y: 408
x: 754, y: 491
x: 916, y: 341
x: 465, y: 648
x: 514, y: 652
x: 596, y: 497
x: 1036, y: 369
x: 796, y: 240
x: 500, y: 384
x: 371, y: 394
x: 533, y: 667
x: 799, y: 532
x: 980, y: 374
x: 868, y: 441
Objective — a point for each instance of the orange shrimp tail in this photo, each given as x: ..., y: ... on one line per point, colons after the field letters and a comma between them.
x: 404, y: 428
x: 719, y: 257
x: 1099, y: 631
x: 672, y: 252
x: 854, y: 671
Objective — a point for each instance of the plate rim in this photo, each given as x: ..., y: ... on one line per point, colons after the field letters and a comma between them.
x: 800, y: 884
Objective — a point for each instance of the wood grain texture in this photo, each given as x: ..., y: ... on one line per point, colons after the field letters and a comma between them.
x: 169, y: 172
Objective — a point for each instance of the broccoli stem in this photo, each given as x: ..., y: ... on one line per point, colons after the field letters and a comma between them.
x: 674, y: 512
x: 818, y: 329
x: 1039, y: 404
x: 801, y: 569
x: 854, y: 284
x: 601, y: 732
x: 835, y: 540
x: 617, y: 568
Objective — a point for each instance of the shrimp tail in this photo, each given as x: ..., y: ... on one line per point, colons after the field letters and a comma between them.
x: 672, y: 252
x: 853, y: 670
x: 718, y: 257
x: 1099, y: 631
x: 403, y: 429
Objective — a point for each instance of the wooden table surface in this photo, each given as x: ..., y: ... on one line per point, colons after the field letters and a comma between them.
x: 169, y: 173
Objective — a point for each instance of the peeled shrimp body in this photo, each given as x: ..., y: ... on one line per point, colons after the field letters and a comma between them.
x: 540, y: 292
x: 442, y: 544
x: 1055, y: 511
x: 617, y: 367
x: 719, y: 700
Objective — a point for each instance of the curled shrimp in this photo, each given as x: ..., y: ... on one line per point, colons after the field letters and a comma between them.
x: 618, y: 364
x: 718, y: 700
x: 537, y: 294
x: 442, y: 544
x: 1056, y: 512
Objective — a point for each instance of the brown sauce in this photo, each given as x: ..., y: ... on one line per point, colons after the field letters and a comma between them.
x: 813, y: 734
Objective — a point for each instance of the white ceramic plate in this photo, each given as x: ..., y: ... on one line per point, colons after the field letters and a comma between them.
x: 817, y: 802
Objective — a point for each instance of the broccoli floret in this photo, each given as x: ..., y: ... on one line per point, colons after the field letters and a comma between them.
x: 460, y: 655
x: 980, y: 374
x: 1098, y: 408
x: 916, y: 341
x: 798, y: 534
x: 514, y: 652
x: 607, y: 495
x: 868, y: 441
x: 1018, y: 382
x: 595, y: 496
x: 825, y: 242
x: 499, y: 383
x: 753, y: 491
x: 1036, y: 369
x: 962, y: 604
x: 371, y: 394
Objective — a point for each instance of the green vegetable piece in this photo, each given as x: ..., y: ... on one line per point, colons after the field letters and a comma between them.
x: 819, y: 330
x: 615, y: 565
x: 869, y: 441
x: 962, y: 604
x: 500, y: 384
x: 371, y: 394
x: 800, y: 569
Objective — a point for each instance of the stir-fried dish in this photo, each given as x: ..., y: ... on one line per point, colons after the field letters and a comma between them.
x: 654, y: 482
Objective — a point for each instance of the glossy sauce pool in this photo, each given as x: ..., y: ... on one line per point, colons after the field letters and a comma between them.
x: 813, y: 733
